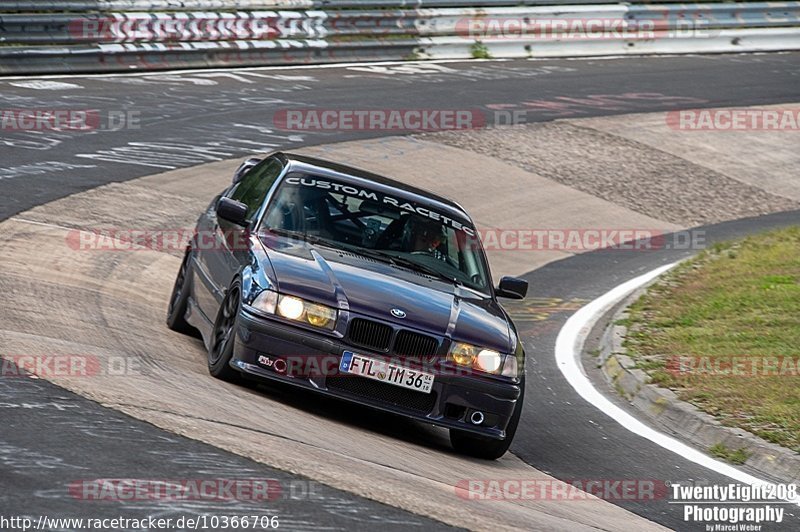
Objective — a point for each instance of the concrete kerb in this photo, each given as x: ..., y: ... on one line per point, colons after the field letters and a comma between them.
x: 663, y: 407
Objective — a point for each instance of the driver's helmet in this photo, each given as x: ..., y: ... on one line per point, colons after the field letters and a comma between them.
x: 421, y: 234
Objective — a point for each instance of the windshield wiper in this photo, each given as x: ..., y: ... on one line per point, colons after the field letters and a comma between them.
x: 414, y: 265
x: 339, y: 246
x: 406, y: 263
x: 399, y: 261
x: 371, y: 253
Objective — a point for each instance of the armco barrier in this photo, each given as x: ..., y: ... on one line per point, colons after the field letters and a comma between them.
x: 245, y: 5
x: 85, y: 36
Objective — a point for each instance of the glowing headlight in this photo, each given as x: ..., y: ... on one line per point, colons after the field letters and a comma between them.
x: 295, y: 309
x: 290, y: 307
x: 486, y: 360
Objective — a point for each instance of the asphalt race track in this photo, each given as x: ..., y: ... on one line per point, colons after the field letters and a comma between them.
x: 587, y: 439
x: 197, y: 117
x: 53, y: 438
x: 186, y: 119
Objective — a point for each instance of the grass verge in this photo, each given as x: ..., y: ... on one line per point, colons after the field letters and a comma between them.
x: 723, y: 331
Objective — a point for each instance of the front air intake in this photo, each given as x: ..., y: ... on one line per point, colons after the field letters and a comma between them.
x: 370, y: 334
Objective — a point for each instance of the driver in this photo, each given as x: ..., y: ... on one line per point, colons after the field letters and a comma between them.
x: 426, y: 236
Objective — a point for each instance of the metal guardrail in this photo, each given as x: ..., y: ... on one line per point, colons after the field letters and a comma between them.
x: 126, y: 40
x: 239, y: 5
x: 258, y: 25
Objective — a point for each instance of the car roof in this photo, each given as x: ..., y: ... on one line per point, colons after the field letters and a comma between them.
x: 313, y: 165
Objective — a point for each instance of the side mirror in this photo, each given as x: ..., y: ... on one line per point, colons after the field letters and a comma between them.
x: 244, y: 168
x: 232, y: 211
x: 512, y: 288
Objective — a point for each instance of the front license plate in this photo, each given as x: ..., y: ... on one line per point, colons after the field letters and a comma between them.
x: 380, y: 370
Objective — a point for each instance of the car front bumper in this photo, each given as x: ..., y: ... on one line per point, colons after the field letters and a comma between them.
x: 271, y: 350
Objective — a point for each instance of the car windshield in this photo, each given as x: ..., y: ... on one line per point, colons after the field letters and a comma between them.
x: 378, y: 225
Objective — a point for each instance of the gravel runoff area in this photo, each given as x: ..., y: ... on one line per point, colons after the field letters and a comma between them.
x: 622, y: 171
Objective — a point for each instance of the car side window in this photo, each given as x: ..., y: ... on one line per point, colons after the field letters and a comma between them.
x: 255, y: 184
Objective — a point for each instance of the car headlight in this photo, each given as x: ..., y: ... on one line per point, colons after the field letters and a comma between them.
x: 486, y: 360
x: 291, y: 307
x: 265, y: 301
x: 295, y: 309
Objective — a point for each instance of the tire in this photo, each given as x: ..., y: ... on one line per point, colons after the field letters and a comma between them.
x: 483, y: 447
x: 178, y: 300
x: 223, y: 335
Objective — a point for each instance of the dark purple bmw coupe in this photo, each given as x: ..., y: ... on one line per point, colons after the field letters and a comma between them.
x: 358, y: 287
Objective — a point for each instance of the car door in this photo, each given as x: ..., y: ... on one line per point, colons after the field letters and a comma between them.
x: 229, y: 252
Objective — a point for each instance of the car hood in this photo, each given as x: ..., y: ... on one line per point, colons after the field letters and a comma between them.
x: 373, y: 288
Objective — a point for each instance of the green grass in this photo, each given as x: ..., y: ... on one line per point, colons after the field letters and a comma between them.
x: 479, y: 51
x: 734, y: 456
x: 738, y: 299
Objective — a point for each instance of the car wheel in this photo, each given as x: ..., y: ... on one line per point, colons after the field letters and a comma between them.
x: 176, y: 312
x: 487, y: 448
x: 222, y: 339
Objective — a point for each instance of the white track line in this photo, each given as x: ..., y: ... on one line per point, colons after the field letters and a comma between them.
x: 569, y: 345
x: 321, y: 66
x: 325, y: 66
